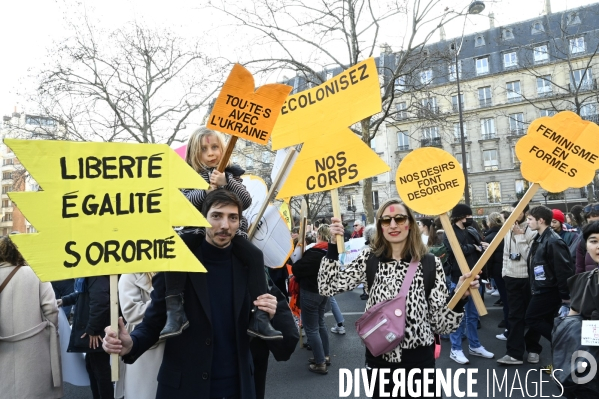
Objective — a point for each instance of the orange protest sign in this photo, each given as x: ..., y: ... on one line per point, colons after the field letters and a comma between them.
x: 430, y: 181
x: 240, y: 111
x: 559, y: 152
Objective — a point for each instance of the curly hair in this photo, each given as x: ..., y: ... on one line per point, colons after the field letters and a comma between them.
x: 9, y: 252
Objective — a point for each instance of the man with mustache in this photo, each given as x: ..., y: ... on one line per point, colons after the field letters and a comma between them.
x: 211, y: 358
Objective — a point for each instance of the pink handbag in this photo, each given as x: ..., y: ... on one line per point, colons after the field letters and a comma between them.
x: 382, y: 326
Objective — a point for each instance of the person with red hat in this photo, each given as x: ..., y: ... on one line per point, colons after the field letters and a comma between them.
x: 558, y: 225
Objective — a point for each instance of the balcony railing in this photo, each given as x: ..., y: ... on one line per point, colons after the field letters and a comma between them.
x: 431, y: 142
x: 458, y: 139
x: 488, y: 136
x: 403, y: 147
x: 517, y: 132
x: 485, y: 102
x: 545, y: 93
x: 593, y: 118
x: 584, y: 86
x: 514, y: 98
x: 454, y: 107
x: 423, y: 112
x: 400, y: 115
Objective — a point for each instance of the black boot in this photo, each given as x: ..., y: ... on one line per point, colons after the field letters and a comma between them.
x: 176, y: 321
x: 260, y: 326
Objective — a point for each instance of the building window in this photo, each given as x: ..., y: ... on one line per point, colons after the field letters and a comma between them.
x: 544, y: 87
x: 537, y: 27
x: 547, y: 112
x: 373, y: 144
x: 482, y: 66
x: 39, y: 121
x: 454, y: 102
x: 507, y: 34
x: 490, y: 161
x: 296, y: 82
x: 515, y: 159
x: 457, y: 134
x: 6, y: 188
x: 452, y: 75
x: 510, y: 60
x: 329, y: 75
x: 375, y: 199
x: 265, y: 157
x: 582, y: 79
x: 541, y: 54
x: 573, y: 18
x: 426, y: 77
x: 6, y: 175
x: 484, y: 96
x: 516, y: 122
x: 494, y: 192
x: 588, y: 110
x: 403, y: 141
x: 513, y: 91
x: 9, y: 161
x: 5, y: 203
x: 487, y: 128
x: 479, y: 41
x: 401, y: 111
x: 430, y: 104
x: 399, y: 84
x: 521, y: 187
x: 577, y: 45
x: 7, y: 217
x: 458, y: 156
x: 249, y: 163
x: 430, y: 137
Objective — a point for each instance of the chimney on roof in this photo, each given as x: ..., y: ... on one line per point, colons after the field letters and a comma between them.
x: 442, y: 33
x: 385, y: 48
x: 491, y: 20
x: 547, y: 7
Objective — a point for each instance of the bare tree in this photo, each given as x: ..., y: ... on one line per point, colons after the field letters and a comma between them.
x: 311, y: 37
x: 133, y: 84
x: 319, y: 204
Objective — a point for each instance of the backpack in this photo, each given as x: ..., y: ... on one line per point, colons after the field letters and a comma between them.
x: 429, y: 271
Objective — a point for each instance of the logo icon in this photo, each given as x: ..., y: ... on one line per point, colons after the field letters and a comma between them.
x: 583, y: 366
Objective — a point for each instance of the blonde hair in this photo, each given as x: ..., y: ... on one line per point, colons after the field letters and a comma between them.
x: 323, y: 233
x: 193, y: 153
x: 413, y: 245
x: 495, y: 219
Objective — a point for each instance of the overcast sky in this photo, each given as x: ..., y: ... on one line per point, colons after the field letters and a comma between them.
x: 29, y: 28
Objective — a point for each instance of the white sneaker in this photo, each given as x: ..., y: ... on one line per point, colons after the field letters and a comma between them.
x: 495, y: 293
x: 501, y: 337
x: 480, y: 351
x: 338, y: 330
x: 458, y: 357
x: 490, y: 291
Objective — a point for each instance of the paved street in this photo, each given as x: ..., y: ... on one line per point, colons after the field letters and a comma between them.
x: 291, y: 380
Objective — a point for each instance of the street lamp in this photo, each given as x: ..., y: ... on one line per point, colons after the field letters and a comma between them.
x: 545, y: 194
x: 476, y: 7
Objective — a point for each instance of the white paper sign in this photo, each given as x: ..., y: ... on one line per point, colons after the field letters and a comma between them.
x: 590, y: 333
x: 273, y: 238
x: 258, y: 191
x: 73, y: 363
x: 353, y: 248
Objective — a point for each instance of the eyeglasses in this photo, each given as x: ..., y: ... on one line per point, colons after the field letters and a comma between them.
x: 356, y: 225
x: 591, y: 208
x: 399, y: 219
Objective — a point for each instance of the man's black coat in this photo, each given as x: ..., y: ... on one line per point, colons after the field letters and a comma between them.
x: 186, y: 366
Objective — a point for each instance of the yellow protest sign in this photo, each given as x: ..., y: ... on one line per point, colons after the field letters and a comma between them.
x: 105, y: 208
x: 240, y: 111
x: 284, y: 208
x: 332, y: 155
x: 430, y: 181
x: 559, y: 152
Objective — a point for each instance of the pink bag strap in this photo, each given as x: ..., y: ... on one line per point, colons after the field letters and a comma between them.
x: 405, y: 286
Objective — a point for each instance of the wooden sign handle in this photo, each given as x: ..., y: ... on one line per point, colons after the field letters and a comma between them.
x: 271, y: 193
x: 227, y: 154
x: 114, y: 322
x: 337, y: 214
x: 509, y: 223
x: 462, y: 263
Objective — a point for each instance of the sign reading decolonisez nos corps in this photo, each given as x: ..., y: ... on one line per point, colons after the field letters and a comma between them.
x: 430, y: 181
x: 105, y: 208
x: 332, y: 155
x: 241, y: 112
x: 559, y: 152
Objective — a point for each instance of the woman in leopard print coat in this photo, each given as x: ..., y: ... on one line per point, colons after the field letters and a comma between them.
x: 396, y: 241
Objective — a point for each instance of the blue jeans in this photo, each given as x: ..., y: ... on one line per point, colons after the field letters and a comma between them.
x: 313, y: 306
x: 469, y: 322
x: 336, y: 311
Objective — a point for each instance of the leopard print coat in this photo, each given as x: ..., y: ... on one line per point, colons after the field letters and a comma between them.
x: 423, y: 318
